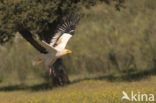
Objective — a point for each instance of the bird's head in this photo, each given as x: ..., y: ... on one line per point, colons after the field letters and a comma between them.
x: 63, y: 52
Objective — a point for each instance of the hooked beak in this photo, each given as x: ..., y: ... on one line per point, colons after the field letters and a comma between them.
x: 68, y: 51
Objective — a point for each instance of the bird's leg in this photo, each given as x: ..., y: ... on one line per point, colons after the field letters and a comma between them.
x: 51, y: 70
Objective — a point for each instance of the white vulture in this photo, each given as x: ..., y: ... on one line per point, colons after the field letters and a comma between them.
x: 55, y: 48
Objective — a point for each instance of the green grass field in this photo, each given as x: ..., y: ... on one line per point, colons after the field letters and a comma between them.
x: 88, y: 89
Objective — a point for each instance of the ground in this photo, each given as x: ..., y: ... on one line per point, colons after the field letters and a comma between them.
x: 82, y: 90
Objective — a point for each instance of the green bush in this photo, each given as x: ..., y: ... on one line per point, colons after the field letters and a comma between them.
x: 108, y: 40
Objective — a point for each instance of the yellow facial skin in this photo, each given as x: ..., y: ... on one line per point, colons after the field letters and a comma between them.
x: 68, y: 51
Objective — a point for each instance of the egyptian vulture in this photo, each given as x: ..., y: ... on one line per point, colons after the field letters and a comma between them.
x: 55, y: 48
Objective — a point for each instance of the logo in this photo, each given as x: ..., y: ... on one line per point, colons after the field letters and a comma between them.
x: 137, y: 96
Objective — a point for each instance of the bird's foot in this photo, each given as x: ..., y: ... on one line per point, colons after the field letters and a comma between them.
x: 51, y: 71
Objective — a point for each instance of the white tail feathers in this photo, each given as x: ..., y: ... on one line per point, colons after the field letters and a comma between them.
x: 37, y: 60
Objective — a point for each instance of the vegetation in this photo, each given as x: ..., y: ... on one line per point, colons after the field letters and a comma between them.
x: 84, y: 91
x: 34, y: 17
x: 37, y: 17
x: 118, y: 46
x: 111, y: 40
x: 106, y: 41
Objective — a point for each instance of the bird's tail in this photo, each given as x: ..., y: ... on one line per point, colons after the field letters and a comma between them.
x: 37, y: 60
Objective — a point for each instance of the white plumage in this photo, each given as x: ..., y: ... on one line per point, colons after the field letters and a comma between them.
x: 56, y: 48
x: 53, y: 52
x: 62, y: 42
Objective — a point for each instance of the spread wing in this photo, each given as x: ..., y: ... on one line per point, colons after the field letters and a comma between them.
x: 45, y: 45
x: 58, y: 42
x: 29, y: 37
x: 62, y: 41
x: 64, y: 32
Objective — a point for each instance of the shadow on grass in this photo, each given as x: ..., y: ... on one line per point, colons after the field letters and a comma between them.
x: 129, y: 75
x: 36, y: 87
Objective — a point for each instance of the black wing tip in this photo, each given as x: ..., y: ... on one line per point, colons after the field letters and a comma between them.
x: 70, y: 23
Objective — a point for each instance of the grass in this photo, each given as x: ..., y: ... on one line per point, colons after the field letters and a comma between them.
x: 84, y: 91
x: 84, y: 88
